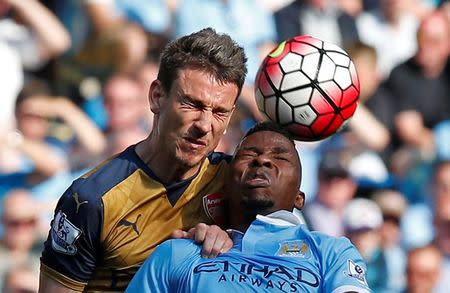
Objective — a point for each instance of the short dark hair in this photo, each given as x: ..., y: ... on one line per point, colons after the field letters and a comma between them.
x: 205, y: 49
x: 270, y: 126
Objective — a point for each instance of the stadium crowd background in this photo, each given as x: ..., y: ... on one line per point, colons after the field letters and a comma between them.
x: 74, y: 78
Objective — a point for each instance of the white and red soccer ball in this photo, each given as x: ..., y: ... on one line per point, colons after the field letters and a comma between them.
x: 308, y: 86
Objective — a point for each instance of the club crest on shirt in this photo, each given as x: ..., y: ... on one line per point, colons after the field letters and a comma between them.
x: 356, y: 271
x: 294, y: 248
x: 64, y: 234
x: 213, y: 206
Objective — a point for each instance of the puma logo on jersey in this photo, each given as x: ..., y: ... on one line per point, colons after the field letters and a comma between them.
x: 77, y: 201
x: 133, y: 225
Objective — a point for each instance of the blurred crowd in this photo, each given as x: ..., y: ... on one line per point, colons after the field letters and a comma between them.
x: 74, y: 78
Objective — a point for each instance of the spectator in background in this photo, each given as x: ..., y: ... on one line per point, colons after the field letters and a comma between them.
x: 351, y: 7
x: 424, y: 270
x: 318, y: 18
x: 421, y: 86
x: 393, y: 204
x: 420, y: 218
x: 115, y: 41
x: 30, y: 35
x: 21, y: 279
x: 38, y: 149
x: 18, y: 243
x: 105, y: 42
x: 336, y: 188
x: 362, y: 221
x: 231, y: 17
x: 442, y: 220
x: 373, y: 122
x: 391, y: 30
x: 445, y: 8
x: 125, y: 105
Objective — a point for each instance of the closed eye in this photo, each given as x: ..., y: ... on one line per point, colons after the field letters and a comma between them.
x: 281, y: 158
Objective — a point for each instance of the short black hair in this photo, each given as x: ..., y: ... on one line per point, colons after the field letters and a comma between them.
x: 270, y: 126
x: 208, y: 50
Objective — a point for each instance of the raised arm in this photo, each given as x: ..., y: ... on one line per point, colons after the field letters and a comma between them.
x: 89, y: 136
x: 369, y: 130
x: 53, y: 37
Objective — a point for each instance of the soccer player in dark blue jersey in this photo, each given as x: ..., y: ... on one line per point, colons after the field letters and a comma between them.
x: 111, y: 219
x: 273, y: 251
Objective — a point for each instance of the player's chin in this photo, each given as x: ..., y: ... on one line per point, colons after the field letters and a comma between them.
x: 191, y: 159
x: 257, y: 204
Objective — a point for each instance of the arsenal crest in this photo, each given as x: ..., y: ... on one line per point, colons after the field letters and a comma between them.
x: 213, y: 204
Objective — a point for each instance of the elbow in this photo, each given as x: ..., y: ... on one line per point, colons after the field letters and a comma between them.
x: 97, y: 148
x: 53, y: 168
x: 381, y: 142
x: 61, y: 46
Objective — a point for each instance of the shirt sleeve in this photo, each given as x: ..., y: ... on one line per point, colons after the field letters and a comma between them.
x: 155, y: 275
x: 344, y: 268
x: 73, y: 244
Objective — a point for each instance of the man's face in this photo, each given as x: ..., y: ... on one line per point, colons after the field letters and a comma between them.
x: 265, y: 174
x: 19, y: 221
x: 123, y: 104
x: 192, y: 117
x: 433, y: 42
x: 423, y: 270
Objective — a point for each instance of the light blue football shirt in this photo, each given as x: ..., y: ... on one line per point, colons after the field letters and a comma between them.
x: 276, y: 254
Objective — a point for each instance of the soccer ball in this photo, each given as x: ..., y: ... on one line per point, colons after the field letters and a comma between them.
x: 308, y: 86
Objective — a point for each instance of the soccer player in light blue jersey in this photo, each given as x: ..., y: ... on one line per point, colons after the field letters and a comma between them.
x: 273, y: 251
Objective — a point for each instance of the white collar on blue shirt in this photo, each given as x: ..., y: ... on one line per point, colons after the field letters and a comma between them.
x: 281, y: 218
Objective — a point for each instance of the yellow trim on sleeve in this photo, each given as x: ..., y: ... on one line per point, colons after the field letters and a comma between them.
x: 63, y: 280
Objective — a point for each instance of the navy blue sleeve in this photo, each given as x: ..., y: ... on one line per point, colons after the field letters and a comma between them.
x: 73, y: 244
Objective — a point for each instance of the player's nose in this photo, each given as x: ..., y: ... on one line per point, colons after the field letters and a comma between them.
x: 203, y: 123
x: 262, y: 161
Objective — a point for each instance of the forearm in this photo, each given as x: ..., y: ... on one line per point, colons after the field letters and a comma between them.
x: 53, y: 37
x: 102, y: 18
x: 89, y: 136
x: 369, y: 130
x: 45, y: 160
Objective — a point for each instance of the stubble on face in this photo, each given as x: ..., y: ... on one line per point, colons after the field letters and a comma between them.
x: 198, y: 101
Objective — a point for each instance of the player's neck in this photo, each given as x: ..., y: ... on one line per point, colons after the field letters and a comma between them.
x: 162, y: 165
x: 241, y: 221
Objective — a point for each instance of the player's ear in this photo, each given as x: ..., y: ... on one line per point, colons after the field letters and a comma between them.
x: 299, y: 200
x: 229, y: 119
x: 156, y: 95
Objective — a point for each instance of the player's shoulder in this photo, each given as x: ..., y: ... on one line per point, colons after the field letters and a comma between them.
x: 178, y: 250
x: 330, y: 243
x: 109, y: 173
x: 216, y: 158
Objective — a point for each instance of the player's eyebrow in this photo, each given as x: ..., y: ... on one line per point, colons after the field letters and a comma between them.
x: 275, y: 150
x: 201, y: 104
x: 280, y: 150
x: 252, y: 148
